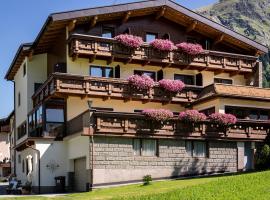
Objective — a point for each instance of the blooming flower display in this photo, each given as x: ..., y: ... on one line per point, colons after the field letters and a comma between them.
x: 191, y: 116
x: 189, y: 48
x: 171, y: 85
x: 129, y: 40
x: 160, y: 115
x: 143, y: 82
x: 163, y: 45
x: 222, y: 119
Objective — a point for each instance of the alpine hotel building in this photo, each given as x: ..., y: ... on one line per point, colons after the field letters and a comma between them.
x: 77, y: 116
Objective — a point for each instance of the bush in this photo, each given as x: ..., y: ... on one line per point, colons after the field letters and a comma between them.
x: 129, y: 40
x: 191, y: 116
x: 172, y: 85
x: 158, y: 115
x: 143, y: 82
x: 147, y: 179
x: 189, y: 48
x: 163, y: 45
x: 262, y: 158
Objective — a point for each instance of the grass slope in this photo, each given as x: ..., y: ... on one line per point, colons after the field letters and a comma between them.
x: 253, y: 186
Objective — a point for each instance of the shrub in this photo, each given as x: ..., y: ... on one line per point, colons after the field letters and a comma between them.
x: 147, y: 179
x: 189, y: 48
x: 158, y: 115
x: 262, y: 159
x: 222, y: 119
x: 163, y: 45
x: 143, y: 82
x: 171, y: 85
x: 129, y: 40
x: 191, y: 116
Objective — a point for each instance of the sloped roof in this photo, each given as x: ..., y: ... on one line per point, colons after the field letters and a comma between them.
x: 235, y: 91
x: 57, y: 22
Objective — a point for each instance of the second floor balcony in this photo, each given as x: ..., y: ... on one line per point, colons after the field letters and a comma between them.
x: 107, y: 88
x: 93, y: 47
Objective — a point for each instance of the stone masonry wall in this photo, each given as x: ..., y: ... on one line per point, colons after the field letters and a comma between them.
x: 114, y: 160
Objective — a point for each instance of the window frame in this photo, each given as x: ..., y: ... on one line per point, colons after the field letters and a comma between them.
x: 141, y: 150
x: 223, y: 79
x: 24, y: 69
x: 19, y: 99
x: 103, y: 71
x: 190, y: 75
x: 109, y: 29
x: 192, y: 150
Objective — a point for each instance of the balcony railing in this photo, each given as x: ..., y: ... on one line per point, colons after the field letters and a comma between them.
x: 133, y: 124
x: 93, y: 47
x: 108, y: 88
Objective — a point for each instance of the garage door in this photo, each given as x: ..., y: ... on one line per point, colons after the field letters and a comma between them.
x: 80, y: 175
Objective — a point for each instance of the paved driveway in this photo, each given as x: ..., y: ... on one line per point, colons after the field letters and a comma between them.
x: 3, y: 188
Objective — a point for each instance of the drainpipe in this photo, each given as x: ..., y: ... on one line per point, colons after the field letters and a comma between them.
x: 91, y: 124
x: 38, y: 153
x: 15, y: 129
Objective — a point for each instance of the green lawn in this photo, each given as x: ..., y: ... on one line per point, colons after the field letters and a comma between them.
x: 253, y: 186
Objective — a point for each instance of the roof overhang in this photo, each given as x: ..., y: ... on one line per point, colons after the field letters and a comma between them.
x: 56, y: 23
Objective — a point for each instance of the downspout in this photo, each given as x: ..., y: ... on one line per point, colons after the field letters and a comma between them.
x: 38, y: 153
x: 91, y: 125
x: 15, y: 129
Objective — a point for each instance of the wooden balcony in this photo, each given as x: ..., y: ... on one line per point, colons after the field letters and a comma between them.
x: 133, y: 124
x: 65, y: 84
x: 93, y: 47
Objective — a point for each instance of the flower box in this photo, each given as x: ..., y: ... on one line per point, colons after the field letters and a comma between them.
x: 171, y: 87
x: 141, y: 83
x: 191, y: 116
x: 163, y: 45
x: 157, y: 117
x: 190, y: 48
x: 129, y: 41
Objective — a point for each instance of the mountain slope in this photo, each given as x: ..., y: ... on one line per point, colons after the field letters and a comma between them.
x: 248, y: 17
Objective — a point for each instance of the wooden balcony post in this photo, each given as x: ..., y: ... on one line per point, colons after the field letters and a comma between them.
x: 98, y: 123
x: 126, y: 124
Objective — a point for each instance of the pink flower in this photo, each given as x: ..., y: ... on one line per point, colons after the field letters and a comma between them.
x: 160, y: 115
x: 189, y: 48
x: 191, y: 116
x: 143, y: 82
x: 129, y: 40
x: 163, y: 45
x: 172, y: 85
x: 223, y: 119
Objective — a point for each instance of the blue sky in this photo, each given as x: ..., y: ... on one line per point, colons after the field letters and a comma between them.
x: 22, y: 20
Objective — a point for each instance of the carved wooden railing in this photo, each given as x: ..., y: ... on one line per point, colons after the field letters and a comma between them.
x: 93, y: 46
x: 134, y: 124
x: 107, y: 88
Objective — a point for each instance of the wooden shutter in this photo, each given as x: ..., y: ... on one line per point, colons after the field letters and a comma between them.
x: 199, y: 81
x: 160, y: 75
x: 117, y: 71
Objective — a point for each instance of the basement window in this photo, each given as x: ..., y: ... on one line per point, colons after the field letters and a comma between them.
x: 197, y: 149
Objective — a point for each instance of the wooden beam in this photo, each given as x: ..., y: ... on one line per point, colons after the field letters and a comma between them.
x: 160, y: 13
x: 192, y: 26
x: 219, y: 39
x: 126, y: 17
x: 72, y: 25
x: 93, y: 21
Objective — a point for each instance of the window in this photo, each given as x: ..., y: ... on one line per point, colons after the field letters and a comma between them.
x: 24, y: 69
x: 54, y: 120
x: 207, y: 45
x: 196, y: 149
x: 223, y: 80
x: 149, y: 37
x: 19, y: 99
x: 248, y: 113
x: 166, y: 36
x: 148, y: 73
x: 192, y: 40
x: 145, y: 147
x: 208, y: 111
x: 19, y: 159
x: 108, y: 32
x: 21, y: 130
x: 23, y: 166
x: 98, y: 71
x: 54, y: 115
x: 187, y: 79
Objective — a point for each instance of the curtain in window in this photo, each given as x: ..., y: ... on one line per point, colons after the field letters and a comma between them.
x: 189, y: 148
x: 149, y: 148
x: 137, y: 147
x: 199, y: 149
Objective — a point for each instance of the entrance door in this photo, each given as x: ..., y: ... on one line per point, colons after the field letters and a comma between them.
x: 248, y: 156
x: 80, y: 175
